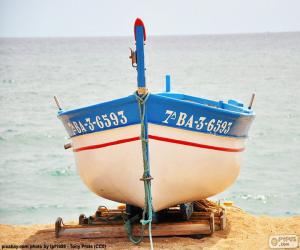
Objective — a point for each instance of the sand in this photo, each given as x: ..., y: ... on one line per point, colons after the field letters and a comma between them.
x: 243, y: 231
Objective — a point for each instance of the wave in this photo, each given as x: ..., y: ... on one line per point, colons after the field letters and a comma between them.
x: 263, y: 198
x: 68, y: 171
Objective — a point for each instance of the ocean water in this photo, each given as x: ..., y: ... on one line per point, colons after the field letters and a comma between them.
x: 38, y: 179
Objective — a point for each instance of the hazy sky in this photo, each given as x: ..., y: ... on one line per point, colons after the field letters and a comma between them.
x: 23, y: 18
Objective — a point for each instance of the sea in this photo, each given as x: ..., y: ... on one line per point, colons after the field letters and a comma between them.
x: 38, y: 178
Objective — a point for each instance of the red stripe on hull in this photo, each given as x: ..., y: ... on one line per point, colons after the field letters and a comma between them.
x: 159, y: 138
x: 103, y: 145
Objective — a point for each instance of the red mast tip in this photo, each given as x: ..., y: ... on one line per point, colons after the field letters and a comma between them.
x: 139, y: 22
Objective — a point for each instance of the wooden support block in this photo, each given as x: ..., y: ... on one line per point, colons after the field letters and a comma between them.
x: 200, y: 223
x: 212, y: 223
x: 222, y: 221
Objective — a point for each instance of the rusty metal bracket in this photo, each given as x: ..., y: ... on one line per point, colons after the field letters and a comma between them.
x: 133, y: 58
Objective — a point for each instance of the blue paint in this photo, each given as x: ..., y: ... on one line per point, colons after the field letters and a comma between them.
x: 168, y: 83
x: 231, y: 105
x: 100, y: 114
x: 188, y: 114
x: 240, y: 119
x: 235, y: 103
x: 139, y: 31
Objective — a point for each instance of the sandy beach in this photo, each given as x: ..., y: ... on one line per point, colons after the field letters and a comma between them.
x: 243, y: 231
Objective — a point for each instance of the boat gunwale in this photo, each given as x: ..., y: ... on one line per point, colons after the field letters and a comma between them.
x: 241, y: 112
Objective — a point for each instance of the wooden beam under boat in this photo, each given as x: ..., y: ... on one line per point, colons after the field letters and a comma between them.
x: 200, y: 223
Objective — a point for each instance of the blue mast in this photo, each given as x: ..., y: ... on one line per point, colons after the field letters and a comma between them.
x: 142, y: 95
x: 140, y: 37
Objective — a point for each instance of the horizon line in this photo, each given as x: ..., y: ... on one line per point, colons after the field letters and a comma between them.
x: 169, y: 35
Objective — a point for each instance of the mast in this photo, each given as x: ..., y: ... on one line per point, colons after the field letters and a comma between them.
x: 140, y: 37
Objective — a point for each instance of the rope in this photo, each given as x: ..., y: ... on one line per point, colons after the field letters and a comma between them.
x: 147, y: 212
x: 207, y: 206
x: 128, y: 227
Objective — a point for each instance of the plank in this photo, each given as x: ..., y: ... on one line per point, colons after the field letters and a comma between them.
x: 115, y: 231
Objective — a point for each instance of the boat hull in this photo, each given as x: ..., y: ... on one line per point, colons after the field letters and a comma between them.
x: 195, y: 147
x: 185, y: 165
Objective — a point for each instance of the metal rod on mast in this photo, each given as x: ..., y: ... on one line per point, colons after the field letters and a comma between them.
x: 251, y: 101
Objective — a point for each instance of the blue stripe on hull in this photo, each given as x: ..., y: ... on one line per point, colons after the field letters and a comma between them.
x: 194, y: 116
x: 104, y: 116
x: 173, y: 110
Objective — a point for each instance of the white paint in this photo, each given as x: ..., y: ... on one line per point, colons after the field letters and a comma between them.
x: 181, y: 173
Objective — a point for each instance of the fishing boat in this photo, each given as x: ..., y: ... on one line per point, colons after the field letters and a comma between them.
x: 187, y: 148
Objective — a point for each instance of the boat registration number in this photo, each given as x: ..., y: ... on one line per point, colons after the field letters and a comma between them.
x: 97, y: 122
x: 202, y: 123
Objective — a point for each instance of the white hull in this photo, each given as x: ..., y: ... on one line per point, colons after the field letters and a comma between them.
x: 181, y: 173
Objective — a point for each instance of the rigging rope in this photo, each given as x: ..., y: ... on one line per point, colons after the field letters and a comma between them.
x: 147, y: 212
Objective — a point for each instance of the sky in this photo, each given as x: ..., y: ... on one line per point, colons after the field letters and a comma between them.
x: 76, y: 18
